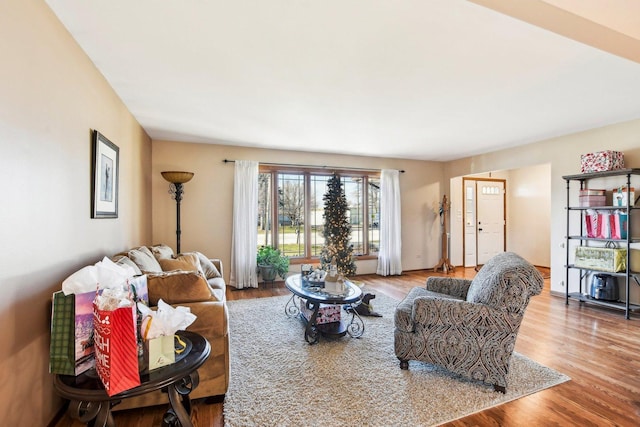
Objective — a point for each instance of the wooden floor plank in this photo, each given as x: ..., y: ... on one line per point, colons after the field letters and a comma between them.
x: 596, y: 347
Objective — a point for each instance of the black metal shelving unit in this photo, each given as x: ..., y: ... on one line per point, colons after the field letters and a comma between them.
x: 628, y: 275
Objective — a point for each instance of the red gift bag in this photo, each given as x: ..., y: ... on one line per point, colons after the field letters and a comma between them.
x: 116, y: 348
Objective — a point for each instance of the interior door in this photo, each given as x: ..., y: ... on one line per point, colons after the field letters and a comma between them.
x: 491, y: 219
x: 470, y: 233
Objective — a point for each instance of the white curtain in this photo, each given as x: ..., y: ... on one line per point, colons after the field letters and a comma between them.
x: 244, y: 241
x: 389, y: 256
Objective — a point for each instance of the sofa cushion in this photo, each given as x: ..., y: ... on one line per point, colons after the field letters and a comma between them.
x: 186, y: 262
x: 178, y: 286
x: 145, y: 260
x: 125, y: 261
x: 162, y: 251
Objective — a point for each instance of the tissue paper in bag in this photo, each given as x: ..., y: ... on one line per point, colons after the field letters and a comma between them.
x: 158, y: 332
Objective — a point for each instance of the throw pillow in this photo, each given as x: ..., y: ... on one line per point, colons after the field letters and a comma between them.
x: 177, y: 287
x: 186, y: 262
x: 162, y: 252
x: 124, y: 260
x: 209, y: 268
x: 145, y: 260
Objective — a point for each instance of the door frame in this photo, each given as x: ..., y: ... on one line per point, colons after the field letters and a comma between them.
x: 475, y: 210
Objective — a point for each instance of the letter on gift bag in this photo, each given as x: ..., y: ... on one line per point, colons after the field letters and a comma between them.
x: 116, y: 349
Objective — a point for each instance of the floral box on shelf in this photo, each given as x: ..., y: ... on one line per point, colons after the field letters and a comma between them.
x: 601, y: 161
x: 604, y: 259
x: 327, y: 313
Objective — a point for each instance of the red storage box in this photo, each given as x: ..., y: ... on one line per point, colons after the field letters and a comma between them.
x: 601, y: 161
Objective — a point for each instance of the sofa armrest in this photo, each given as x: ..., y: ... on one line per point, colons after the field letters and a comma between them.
x: 212, y: 319
x: 449, y: 286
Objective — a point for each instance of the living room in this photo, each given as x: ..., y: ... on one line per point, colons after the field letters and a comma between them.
x: 53, y: 96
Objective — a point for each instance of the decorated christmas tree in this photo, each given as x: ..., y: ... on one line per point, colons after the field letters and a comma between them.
x: 337, y: 230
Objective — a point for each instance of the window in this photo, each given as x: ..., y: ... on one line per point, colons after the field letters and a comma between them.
x: 295, y: 198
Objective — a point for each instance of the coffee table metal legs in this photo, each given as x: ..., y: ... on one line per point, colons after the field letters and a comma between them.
x: 355, y: 328
x: 291, y: 307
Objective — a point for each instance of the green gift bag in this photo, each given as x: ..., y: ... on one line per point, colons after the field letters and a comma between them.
x: 71, y: 351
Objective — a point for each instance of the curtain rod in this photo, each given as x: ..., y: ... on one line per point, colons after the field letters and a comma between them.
x: 314, y: 166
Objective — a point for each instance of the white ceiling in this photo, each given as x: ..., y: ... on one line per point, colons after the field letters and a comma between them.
x: 420, y: 79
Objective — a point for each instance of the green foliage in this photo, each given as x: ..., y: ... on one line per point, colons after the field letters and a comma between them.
x: 269, y: 256
x: 337, y: 229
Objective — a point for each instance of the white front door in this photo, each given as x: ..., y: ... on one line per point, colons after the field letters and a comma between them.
x: 470, y: 229
x: 490, y: 219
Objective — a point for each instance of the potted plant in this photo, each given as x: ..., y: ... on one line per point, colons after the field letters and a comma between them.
x: 272, y: 263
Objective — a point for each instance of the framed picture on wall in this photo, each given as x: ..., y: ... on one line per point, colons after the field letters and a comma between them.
x: 105, y: 171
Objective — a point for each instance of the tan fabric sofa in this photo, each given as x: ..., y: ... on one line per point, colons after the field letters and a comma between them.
x: 189, y: 280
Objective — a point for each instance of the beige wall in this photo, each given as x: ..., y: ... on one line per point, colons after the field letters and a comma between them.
x: 51, y: 97
x: 563, y: 156
x: 207, y: 207
x: 528, y: 213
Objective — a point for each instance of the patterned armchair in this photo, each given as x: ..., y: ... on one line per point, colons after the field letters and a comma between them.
x: 468, y: 327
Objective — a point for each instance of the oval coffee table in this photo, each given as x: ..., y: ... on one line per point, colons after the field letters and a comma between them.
x: 313, y: 297
x: 90, y: 403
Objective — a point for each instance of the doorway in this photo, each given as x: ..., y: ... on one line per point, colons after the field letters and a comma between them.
x: 484, y: 219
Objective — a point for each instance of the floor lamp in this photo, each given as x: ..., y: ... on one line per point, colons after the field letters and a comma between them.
x: 175, y: 189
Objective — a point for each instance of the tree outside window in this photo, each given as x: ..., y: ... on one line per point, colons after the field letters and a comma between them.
x: 298, y: 206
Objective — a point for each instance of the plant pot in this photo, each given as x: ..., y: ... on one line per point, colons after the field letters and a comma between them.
x: 268, y: 273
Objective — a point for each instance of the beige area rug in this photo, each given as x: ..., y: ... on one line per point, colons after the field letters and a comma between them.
x: 277, y: 379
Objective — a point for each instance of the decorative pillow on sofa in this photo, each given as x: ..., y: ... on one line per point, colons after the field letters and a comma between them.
x: 145, y: 260
x: 124, y: 260
x: 208, y: 268
x: 186, y: 262
x: 162, y: 251
x: 177, y: 287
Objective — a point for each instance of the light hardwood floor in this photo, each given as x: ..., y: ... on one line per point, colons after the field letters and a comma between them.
x: 597, y: 348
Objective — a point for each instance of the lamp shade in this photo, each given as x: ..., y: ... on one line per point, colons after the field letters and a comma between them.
x: 177, y: 177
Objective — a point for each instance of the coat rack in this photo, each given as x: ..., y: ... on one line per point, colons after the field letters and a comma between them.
x: 444, y: 263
